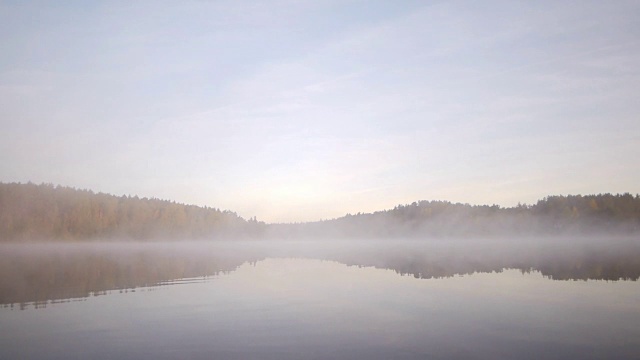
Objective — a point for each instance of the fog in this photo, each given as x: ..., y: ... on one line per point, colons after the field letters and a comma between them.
x: 427, y: 179
x: 39, y: 273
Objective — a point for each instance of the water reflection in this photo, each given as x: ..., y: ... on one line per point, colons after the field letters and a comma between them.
x: 45, y: 273
x: 297, y: 308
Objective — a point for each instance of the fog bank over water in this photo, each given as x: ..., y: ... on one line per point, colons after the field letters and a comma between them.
x: 44, y: 272
x: 61, y: 243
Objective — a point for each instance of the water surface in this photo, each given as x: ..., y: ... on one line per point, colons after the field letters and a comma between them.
x: 317, y: 301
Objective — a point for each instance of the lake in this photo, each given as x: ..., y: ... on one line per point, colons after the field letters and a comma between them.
x: 319, y: 300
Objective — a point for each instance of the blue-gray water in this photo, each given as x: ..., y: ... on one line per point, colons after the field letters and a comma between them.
x: 312, y: 302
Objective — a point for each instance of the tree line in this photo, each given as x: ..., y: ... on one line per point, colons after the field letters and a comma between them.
x: 46, y: 212
x: 554, y: 215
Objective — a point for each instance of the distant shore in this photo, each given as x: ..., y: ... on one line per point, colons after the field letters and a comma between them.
x: 30, y: 212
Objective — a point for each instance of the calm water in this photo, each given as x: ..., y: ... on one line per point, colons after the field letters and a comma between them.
x: 291, y: 301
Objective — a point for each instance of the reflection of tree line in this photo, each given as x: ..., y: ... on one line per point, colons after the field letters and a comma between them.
x: 38, y: 277
x: 592, y: 264
x: 52, y: 274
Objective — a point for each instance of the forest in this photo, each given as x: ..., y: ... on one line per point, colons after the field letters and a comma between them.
x: 47, y: 212
x: 31, y: 212
x: 602, y: 214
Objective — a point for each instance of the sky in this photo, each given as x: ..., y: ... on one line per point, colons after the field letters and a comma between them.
x: 304, y: 110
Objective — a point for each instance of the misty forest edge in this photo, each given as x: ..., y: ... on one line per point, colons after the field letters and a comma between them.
x: 31, y: 212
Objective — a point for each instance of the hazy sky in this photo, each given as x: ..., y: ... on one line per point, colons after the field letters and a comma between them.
x: 301, y: 110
